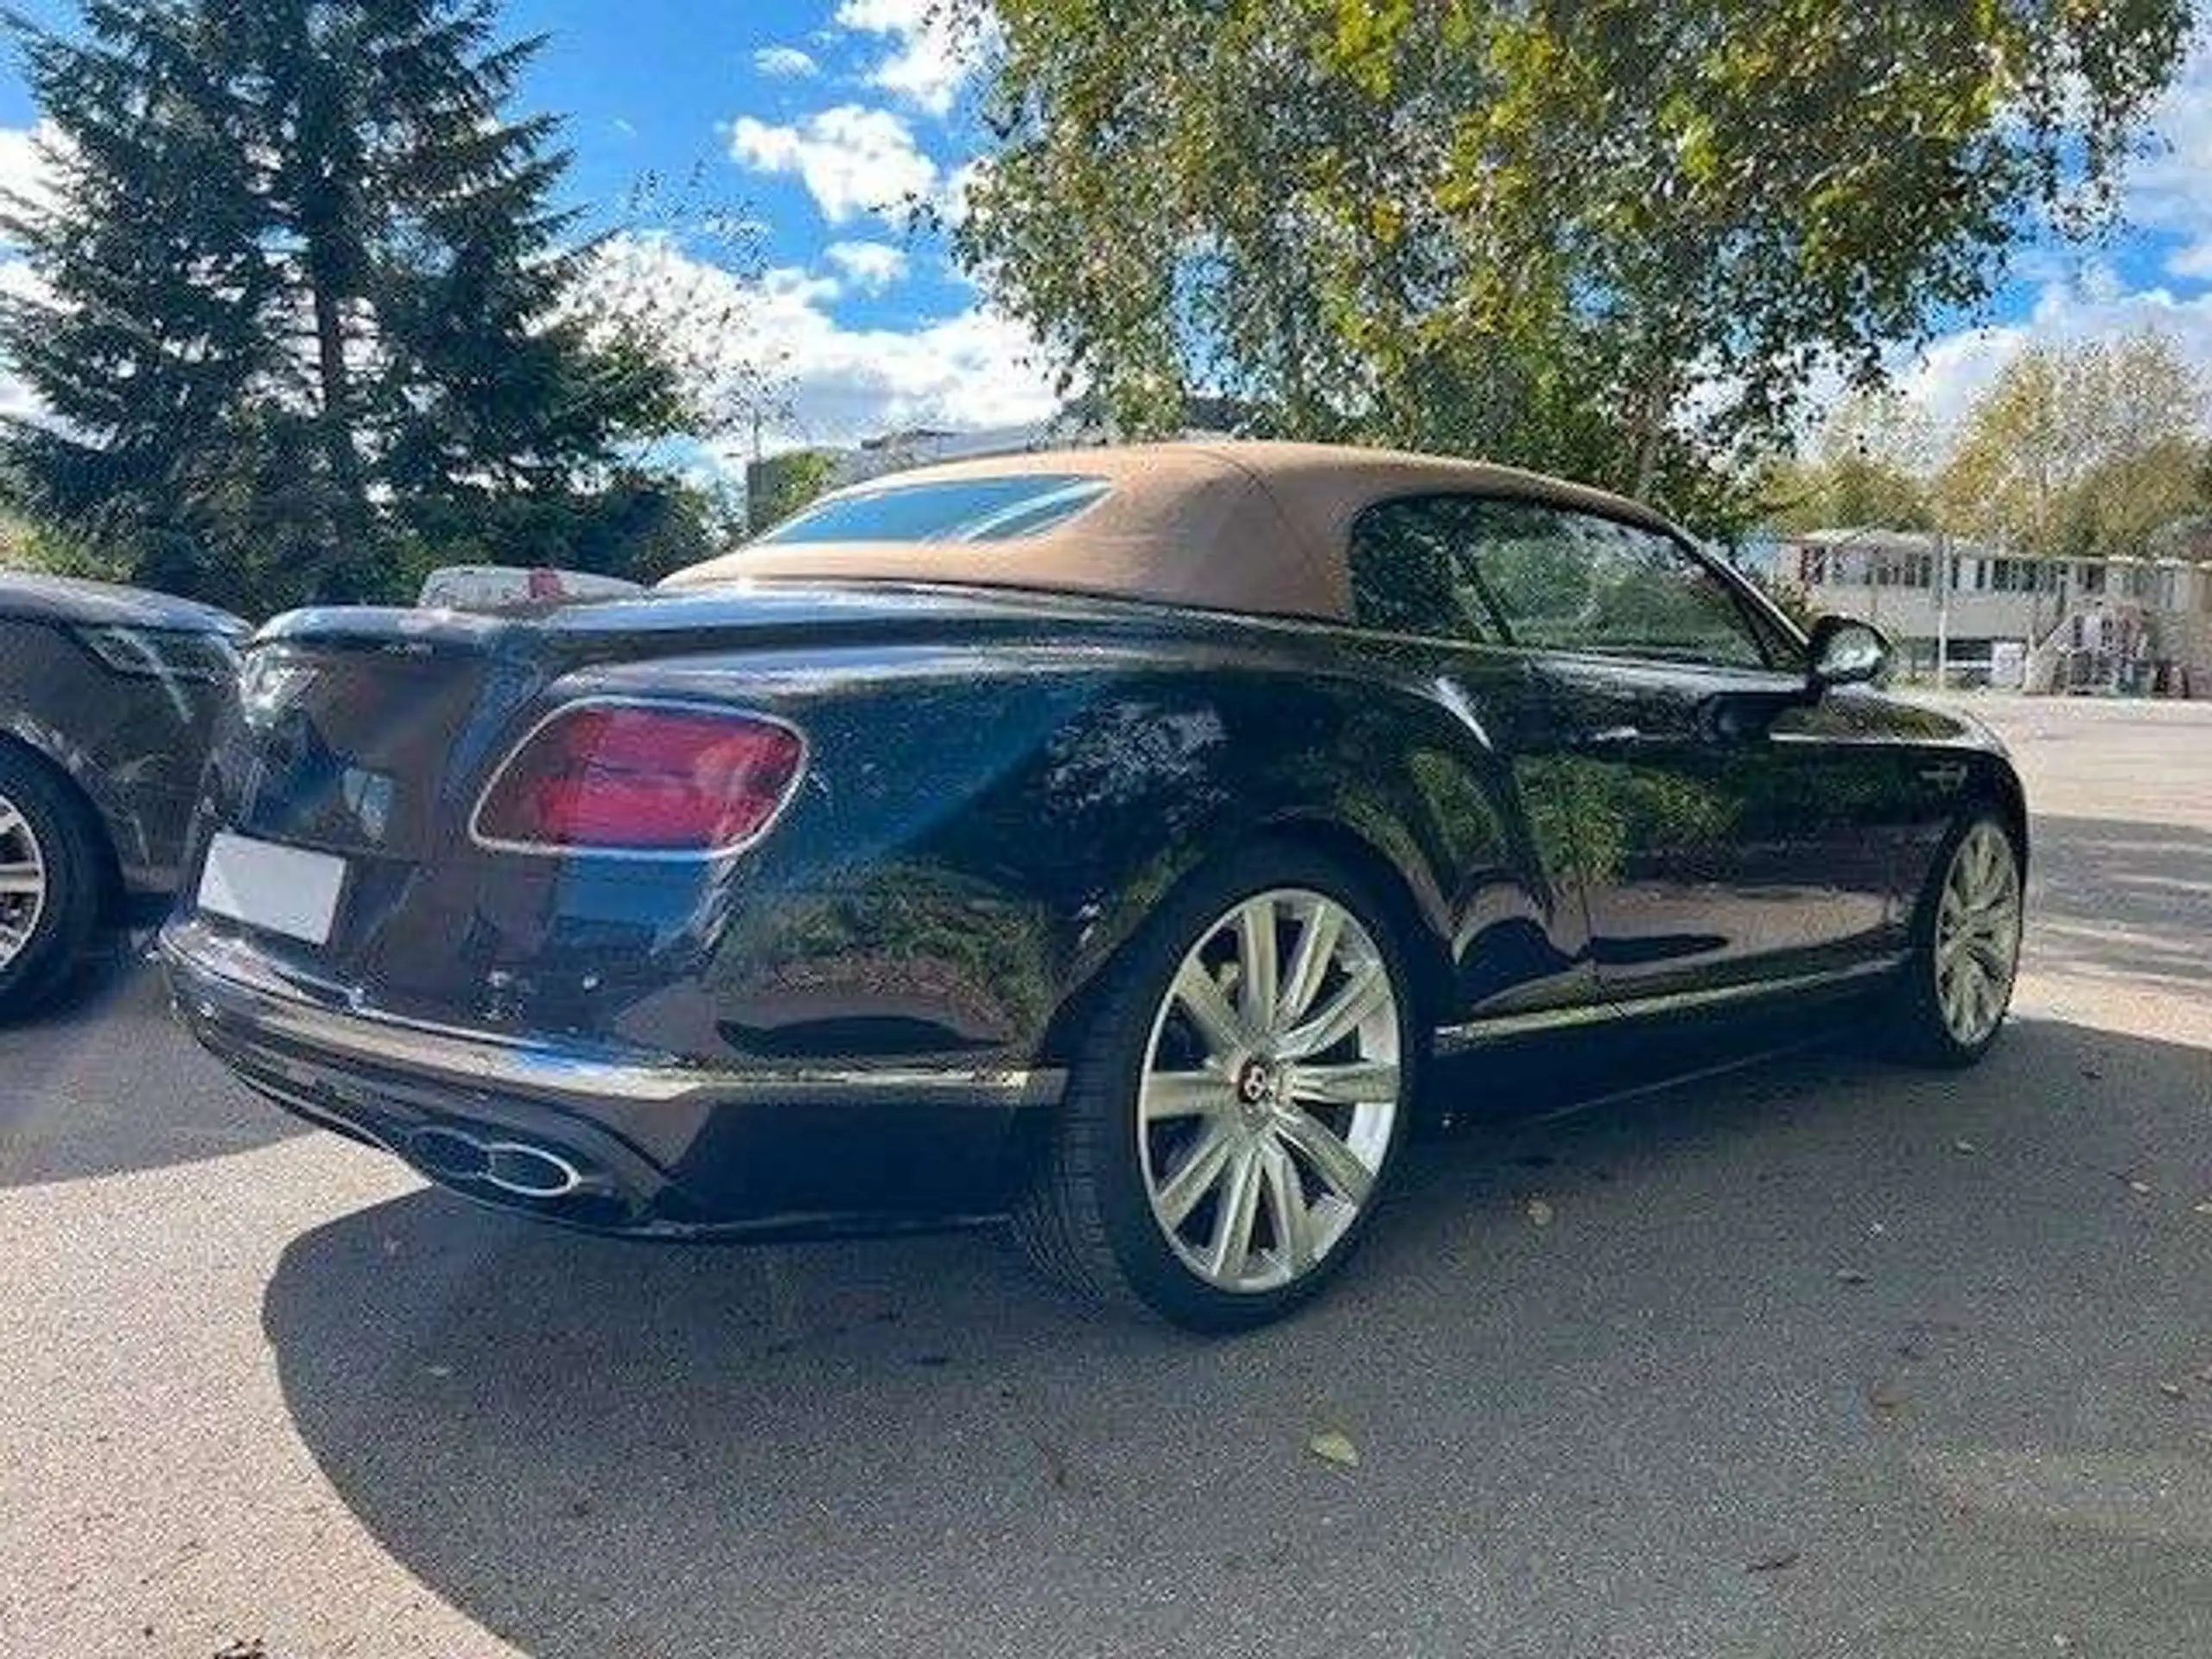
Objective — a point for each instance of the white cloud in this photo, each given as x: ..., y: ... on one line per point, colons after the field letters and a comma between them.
x: 828, y: 384
x: 959, y: 185
x: 18, y: 402
x: 25, y: 176
x: 2079, y: 298
x: 871, y: 266
x: 784, y: 63
x: 24, y: 170
x: 2170, y: 190
x: 853, y: 160
x: 930, y: 55
x: 1944, y: 381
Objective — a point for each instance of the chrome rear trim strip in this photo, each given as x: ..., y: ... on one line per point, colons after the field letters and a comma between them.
x: 229, y: 994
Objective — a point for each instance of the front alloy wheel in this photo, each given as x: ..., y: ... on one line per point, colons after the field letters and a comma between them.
x: 1952, y: 994
x: 1235, y: 1105
x: 1978, y: 935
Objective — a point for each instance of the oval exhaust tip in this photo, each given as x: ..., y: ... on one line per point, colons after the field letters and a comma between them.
x: 450, y: 1154
x: 529, y: 1172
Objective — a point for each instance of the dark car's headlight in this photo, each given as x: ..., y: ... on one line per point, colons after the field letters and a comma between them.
x: 163, y: 653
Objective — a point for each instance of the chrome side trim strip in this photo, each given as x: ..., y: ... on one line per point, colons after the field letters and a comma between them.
x: 1473, y: 1033
x: 214, y: 995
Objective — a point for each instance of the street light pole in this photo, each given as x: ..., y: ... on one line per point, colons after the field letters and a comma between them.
x: 1942, y: 610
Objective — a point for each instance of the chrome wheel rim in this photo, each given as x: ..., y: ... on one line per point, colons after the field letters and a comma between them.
x: 1978, y: 935
x: 23, y: 882
x: 1270, y: 1090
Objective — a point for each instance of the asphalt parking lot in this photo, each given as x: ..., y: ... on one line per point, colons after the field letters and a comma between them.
x: 1817, y: 1357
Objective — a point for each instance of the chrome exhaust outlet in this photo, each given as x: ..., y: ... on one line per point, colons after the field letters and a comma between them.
x: 508, y: 1166
x: 529, y: 1171
x: 449, y: 1154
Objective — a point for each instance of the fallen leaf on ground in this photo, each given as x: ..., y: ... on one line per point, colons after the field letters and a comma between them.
x: 1540, y: 1213
x: 1055, y: 1465
x: 1774, y: 1561
x: 1851, y: 1276
x: 1331, y: 1448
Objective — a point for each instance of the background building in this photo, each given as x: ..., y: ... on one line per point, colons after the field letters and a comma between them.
x: 2128, y: 624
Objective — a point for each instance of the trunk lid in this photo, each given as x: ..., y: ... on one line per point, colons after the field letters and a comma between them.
x: 366, y: 730
x: 368, y: 735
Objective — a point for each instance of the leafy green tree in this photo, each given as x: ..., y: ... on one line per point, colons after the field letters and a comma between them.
x: 1619, y: 239
x: 2083, y: 449
x: 784, y: 484
x: 1867, y: 469
x: 301, y: 297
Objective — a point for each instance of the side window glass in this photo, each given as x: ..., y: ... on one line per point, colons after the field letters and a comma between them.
x: 1410, y: 570
x: 1780, y: 649
x: 1567, y: 581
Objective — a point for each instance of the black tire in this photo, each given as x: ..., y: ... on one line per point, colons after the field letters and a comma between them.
x: 1085, y: 1218
x: 1911, y: 1027
x: 67, y: 845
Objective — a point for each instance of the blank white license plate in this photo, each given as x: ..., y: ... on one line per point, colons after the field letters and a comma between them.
x: 288, y: 890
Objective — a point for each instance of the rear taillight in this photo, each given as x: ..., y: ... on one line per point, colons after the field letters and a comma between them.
x: 642, y: 778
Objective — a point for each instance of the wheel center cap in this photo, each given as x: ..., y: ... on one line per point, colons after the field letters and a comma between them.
x: 1259, y: 1088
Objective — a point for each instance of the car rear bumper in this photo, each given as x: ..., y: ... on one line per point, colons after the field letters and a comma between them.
x: 610, y: 1139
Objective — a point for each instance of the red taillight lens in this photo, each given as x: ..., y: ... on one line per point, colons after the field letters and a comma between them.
x: 641, y: 779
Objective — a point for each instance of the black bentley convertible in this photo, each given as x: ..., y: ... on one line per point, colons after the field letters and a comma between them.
x: 1102, y: 838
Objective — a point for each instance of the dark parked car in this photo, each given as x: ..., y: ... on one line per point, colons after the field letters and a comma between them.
x: 107, y: 698
x: 1102, y: 838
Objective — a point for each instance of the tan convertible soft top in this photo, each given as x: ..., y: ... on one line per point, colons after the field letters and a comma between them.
x: 1239, y: 526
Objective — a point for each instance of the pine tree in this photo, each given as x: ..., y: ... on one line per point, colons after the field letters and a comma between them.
x: 307, y: 301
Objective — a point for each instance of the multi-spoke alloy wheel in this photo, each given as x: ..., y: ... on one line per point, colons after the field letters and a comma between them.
x: 1952, y: 992
x: 23, y: 882
x: 1978, y: 935
x: 1236, y: 1098
x: 1270, y: 1089
x: 50, y: 880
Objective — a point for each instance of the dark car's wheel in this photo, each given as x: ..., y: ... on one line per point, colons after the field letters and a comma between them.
x: 50, y: 875
x: 1235, y: 1109
x: 1954, y: 988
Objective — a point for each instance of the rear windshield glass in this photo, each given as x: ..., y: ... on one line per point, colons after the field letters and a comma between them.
x: 963, y: 510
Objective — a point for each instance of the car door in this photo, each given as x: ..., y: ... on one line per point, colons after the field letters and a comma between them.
x: 1711, y: 856
x: 1509, y: 858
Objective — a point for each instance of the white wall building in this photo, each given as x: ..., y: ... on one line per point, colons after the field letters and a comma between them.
x: 2148, y: 619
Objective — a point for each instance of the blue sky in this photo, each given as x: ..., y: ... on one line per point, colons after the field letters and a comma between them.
x: 811, y: 117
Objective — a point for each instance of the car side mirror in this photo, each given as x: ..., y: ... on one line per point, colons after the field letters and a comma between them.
x: 1847, y: 651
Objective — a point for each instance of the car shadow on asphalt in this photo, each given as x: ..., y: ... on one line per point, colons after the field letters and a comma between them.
x: 102, y: 1082
x: 1592, y: 1368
